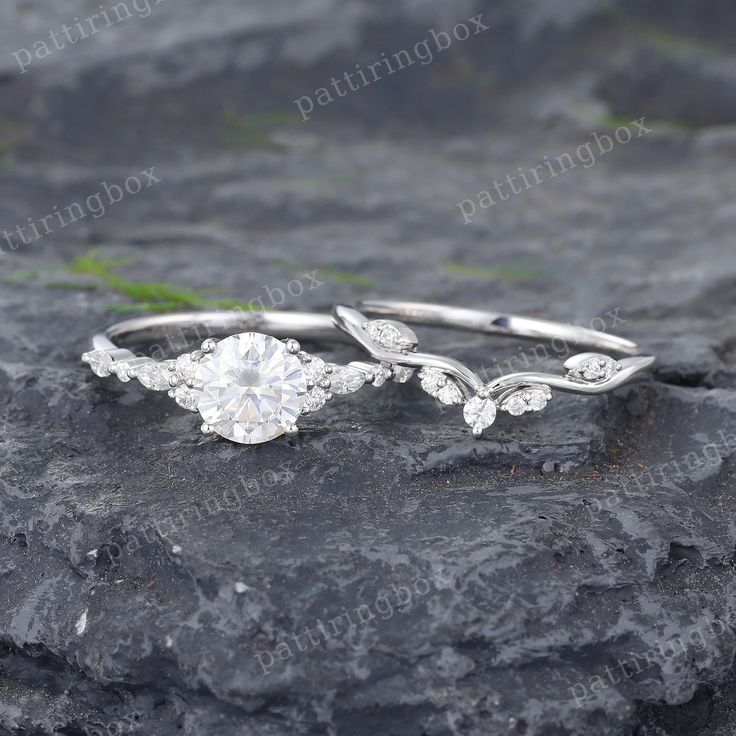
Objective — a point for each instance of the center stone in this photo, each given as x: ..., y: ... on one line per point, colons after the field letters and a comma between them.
x: 252, y: 388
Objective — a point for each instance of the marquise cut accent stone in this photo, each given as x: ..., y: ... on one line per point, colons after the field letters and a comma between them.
x: 592, y: 367
x: 440, y: 386
x: 450, y: 394
x: 155, y: 376
x: 598, y: 369
x: 253, y: 389
x: 99, y: 362
x: 345, y: 379
x: 387, y: 335
x: 533, y: 398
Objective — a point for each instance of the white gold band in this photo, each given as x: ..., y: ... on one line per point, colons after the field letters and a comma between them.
x: 453, y: 383
x: 250, y: 387
x: 257, y: 382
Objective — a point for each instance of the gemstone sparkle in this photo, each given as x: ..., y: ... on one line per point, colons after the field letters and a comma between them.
x: 480, y: 413
x: 252, y: 388
x: 99, y: 361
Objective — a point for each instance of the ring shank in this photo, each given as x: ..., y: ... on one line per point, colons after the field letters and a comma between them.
x: 300, y: 325
x: 497, y: 323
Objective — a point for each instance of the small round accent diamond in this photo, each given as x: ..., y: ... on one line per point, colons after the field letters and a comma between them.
x: 314, y: 369
x: 253, y: 389
x: 316, y: 399
x: 122, y: 370
x: 187, y: 398
x: 186, y: 367
x: 381, y: 374
x: 402, y: 373
x: 479, y: 413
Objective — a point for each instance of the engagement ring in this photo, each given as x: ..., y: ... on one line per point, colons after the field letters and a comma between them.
x: 249, y: 387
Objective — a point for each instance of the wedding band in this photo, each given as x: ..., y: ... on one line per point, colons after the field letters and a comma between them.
x: 451, y: 382
x: 250, y: 387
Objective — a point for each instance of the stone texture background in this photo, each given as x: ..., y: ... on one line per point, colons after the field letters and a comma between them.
x: 556, y: 546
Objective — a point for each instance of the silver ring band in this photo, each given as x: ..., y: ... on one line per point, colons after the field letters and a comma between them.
x: 250, y: 387
x: 308, y: 326
x: 453, y: 383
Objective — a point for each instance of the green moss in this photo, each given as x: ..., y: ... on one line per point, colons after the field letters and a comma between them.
x: 510, y: 273
x: 155, y: 292
x: 155, y: 296
x: 662, y: 38
x: 11, y: 136
x: 146, y: 296
x: 617, y: 121
x: 331, y: 180
x: 73, y: 285
x: 20, y: 277
x: 464, y: 69
x: 331, y: 274
x: 91, y: 264
x: 676, y: 125
x: 144, y: 307
x: 341, y: 277
x: 255, y: 130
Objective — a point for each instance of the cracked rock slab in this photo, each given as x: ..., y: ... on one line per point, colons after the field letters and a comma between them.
x: 570, y: 574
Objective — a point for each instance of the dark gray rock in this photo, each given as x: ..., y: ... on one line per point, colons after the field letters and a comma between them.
x: 570, y: 573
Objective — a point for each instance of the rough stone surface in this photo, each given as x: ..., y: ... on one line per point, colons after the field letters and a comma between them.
x: 144, y: 568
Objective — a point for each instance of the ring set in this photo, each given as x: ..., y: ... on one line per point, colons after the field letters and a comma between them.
x: 256, y: 381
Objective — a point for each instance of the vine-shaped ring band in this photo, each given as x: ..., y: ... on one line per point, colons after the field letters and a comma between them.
x: 389, y: 340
